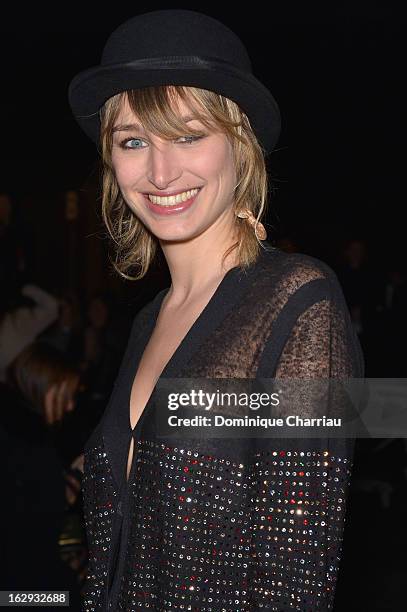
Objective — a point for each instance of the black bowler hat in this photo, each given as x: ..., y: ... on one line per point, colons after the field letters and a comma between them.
x: 175, y: 47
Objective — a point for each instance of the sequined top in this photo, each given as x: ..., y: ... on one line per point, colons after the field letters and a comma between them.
x: 215, y: 525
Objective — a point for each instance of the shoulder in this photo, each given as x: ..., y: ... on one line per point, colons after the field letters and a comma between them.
x: 289, y: 273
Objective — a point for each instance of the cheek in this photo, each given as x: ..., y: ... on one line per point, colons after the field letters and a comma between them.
x: 126, y: 170
x: 124, y: 174
x: 219, y: 161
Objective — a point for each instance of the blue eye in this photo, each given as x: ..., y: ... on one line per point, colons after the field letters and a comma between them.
x: 187, y: 140
x: 125, y: 142
x: 190, y: 139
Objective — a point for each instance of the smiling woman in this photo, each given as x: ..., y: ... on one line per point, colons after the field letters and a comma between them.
x: 201, y: 132
x: 207, y: 523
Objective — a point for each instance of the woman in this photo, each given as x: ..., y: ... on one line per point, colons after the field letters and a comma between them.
x: 206, y: 524
x: 40, y: 390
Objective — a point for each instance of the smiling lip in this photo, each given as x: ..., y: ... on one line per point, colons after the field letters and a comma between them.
x: 171, y: 209
x: 169, y: 193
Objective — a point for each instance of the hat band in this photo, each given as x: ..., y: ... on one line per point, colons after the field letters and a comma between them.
x: 169, y: 62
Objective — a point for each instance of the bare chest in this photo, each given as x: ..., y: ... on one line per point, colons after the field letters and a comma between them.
x: 170, y: 330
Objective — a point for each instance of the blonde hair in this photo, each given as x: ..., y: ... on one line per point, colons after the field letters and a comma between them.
x: 135, y: 246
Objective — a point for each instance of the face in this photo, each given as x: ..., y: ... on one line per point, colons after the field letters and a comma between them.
x: 147, y: 166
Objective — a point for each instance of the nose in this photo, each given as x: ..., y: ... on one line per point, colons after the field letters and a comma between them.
x: 163, y: 166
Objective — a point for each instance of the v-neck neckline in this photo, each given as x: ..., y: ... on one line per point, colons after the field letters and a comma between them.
x: 116, y: 427
x: 166, y: 372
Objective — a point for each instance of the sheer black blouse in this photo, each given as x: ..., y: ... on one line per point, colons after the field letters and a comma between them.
x: 215, y: 525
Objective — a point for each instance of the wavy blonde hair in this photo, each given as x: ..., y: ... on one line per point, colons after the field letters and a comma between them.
x: 135, y: 245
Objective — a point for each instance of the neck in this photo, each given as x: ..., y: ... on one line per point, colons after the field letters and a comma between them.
x: 196, y: 265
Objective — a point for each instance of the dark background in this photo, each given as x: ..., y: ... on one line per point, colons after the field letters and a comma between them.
x: 335, y: 72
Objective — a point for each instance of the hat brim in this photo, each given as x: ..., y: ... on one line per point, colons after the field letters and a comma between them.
x: 90, y: 89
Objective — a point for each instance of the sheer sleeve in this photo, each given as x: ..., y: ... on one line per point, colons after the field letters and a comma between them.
x: 299, y: 486
x: 220, y: 520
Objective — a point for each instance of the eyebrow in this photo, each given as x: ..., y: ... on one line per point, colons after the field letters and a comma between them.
x: 128, y: 127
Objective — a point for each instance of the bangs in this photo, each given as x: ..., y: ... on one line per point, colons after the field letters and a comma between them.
x: 157, y: 109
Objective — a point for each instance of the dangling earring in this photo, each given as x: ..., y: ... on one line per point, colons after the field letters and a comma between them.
x: 257, y: 226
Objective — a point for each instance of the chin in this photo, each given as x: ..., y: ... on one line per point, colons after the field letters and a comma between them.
x: 175, y: 236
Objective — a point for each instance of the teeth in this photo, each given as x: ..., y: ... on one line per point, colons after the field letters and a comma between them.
x: 171, y: 200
